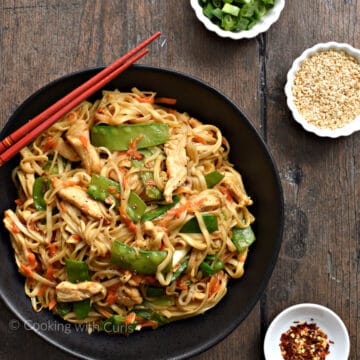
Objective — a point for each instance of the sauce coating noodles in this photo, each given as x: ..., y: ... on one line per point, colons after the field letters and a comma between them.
x: 129, y: 215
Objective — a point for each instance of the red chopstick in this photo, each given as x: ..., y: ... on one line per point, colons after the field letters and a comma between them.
x: 14, y: 142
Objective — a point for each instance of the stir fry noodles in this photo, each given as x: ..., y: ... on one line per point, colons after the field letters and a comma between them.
x: 129, y: 215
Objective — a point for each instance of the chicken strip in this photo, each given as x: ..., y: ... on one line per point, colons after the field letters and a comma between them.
x: 75, y: 195
x: 176, y: 161
x: 67, y: 291
x: 79, y: 137
x: 234, y: 184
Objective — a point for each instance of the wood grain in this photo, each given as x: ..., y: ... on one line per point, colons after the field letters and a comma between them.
x: 319, y: 261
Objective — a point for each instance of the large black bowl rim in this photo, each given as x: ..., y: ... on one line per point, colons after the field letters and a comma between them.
x: 272, y: 260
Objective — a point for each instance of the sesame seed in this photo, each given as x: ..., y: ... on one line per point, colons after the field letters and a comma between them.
x: 326, y: 89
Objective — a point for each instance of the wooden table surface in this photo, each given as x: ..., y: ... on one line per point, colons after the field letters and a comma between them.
x: 319, y: 260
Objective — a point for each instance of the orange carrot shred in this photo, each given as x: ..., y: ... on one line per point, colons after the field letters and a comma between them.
x: 146, y: 99
x: 130, y: 318
x: 165, y: 100
x: 52, y: 303
x: 26, y: 270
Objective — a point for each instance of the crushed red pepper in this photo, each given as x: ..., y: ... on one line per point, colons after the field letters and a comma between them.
x: 304, y: 341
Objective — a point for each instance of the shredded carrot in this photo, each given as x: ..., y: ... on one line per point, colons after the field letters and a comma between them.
x: 14, y: 228
x: 62, y: 206
x: 103, y: 312
x: 165, y: 100
x: 149, y: 323
x: 52, y: 303
x: 146, y: 99
x: 71, y: 117
x: 171, y: 111
x: 49, y: 274
x: 199, y: 139
x: 127, y: 221
x: 112, y: 189
x: 52, y: 249
x: 132, y: 151
x: 32, y: 260
x: 214, y: 285
x: 130, y: 318
x: 76, y: 237
x: 26, y: 270
x: 84, y: 207
x: 112, y: 293
x: 226, y: 192
x: 42, y: 290
x: 84, y: 141
x: 50, y: 144
x: 70, y: 183
x: 18, y: 202
x: 181, y: 285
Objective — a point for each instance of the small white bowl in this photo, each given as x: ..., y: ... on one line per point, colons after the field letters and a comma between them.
x: 261, y: 26
x: 322, y: 132
x: 324, y: 318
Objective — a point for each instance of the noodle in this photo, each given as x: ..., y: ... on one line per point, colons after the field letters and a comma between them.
x: 133, y: 237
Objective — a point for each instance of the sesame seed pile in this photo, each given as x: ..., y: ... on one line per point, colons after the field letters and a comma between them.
x: 326, y: 89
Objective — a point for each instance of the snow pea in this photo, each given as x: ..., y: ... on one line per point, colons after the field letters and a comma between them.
x: 213, y: 178
x: 242, y: 237
x: 140, y: 261
x: 183, y: 266
x: 40, y: 187
x: 118, y: 138
x: 211, y: 265
x: 152, y: 191
x: 102, y: 188
x: 160, y: 210
x: 192, y: 226
x: 135, y: 207
x: 77, y: 271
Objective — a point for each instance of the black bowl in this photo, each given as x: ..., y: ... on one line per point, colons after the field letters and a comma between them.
x: 251, y: 157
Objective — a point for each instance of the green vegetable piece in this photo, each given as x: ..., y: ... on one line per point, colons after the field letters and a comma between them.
x: 40, y: 187
x: 231, y: 9
x: 213, y: 178
x: 180, y: 270
x: 164, y: 300
x: 228, y: 22
x: 192, y: 226
x: 208, y: 10
x: 139, y: 163
x: 155, y: 291
x: 211, y: 265
x: 102, y: 188
x: 242, y: 238
x: 63, y: 308
x: 135, y: 207
x: 149, y: 314
x: 82, y: 308
x: 152, y: 192
x: 118, y: 138
x: 160, y: 210
x: 247, y: 10
x: 139, y: 261
x: 76, y: 271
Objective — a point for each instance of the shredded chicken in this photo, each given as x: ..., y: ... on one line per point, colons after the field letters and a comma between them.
x: 66, y: 150
x: 206, y: 202
x: 75, y: 195
x: 79, y: 137
x: 176, y: 161
x: 129, y: 296
x: 234, y: 185
x: 67, y: 291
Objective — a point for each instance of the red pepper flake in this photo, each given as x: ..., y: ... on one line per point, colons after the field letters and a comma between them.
x: 304, y: 341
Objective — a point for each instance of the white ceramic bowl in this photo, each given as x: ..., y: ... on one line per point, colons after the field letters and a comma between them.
x: 332, y: 133
x: 324, y: 318
x: 263, y: 24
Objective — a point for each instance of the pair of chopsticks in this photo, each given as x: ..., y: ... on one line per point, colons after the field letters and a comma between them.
x: 23, y: 136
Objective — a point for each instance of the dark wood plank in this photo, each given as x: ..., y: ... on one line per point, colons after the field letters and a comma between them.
x: 320, y: 253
